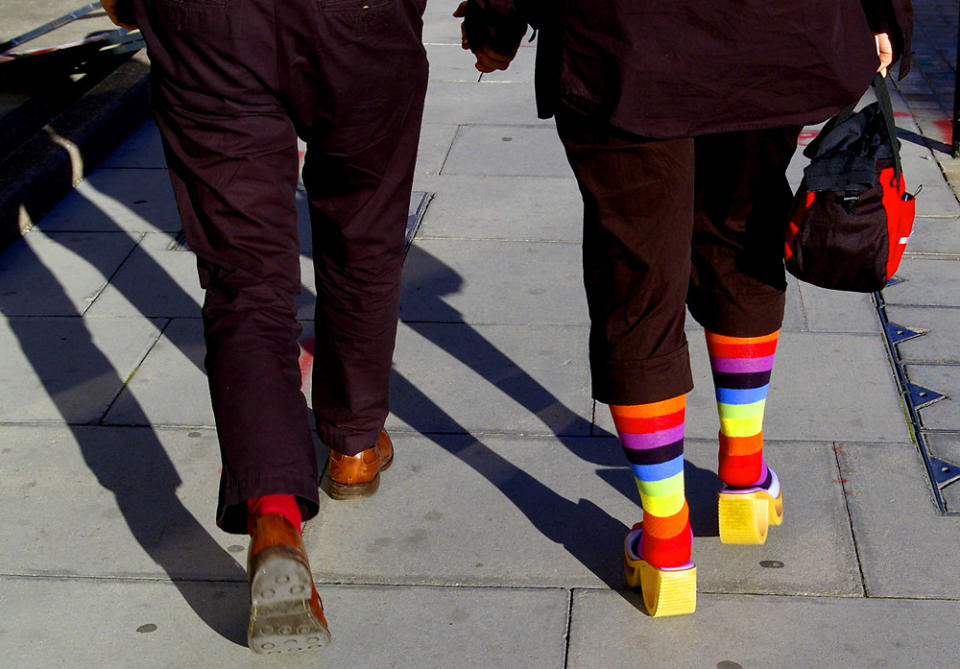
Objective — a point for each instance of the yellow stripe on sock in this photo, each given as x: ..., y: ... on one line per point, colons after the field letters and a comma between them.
x: 741, y: 427
x: 662, y: 506
x: 741, y: 410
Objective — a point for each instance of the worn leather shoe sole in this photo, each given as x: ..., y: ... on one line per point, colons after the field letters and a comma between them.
x: 283, y: 614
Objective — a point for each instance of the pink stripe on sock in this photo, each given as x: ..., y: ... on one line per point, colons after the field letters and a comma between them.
x: 640, y: 442
x: 742, y: 365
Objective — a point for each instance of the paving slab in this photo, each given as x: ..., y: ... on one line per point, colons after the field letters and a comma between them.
x: 141, y: 504
x: 158, y: 279
x: 944, y: 446
x: 141, y: 149
x: 450, y: 63
x: 69, y: 269
x: 475, y: 103
x: 130, y: 624
x: 944, y: 379
x: 939, y: 328
x: 557, y: 511
x: 934, y: 282
x: 439, y: 26
x: 105, y: 202
x: 824, y: 387
x: 906, y: 548
x: 920, y: 168
x: 435, y: 142
x: 735, y: 632
x: 491, y: 378
x: 67, y: 369
x: 493, y: 282
x: 170, y: 386
x: 935, y: 236
x: 485, y: 150
x: 836, y: 311
x: 503, y: 208
x: 811, y: 553
x: 499, y: 512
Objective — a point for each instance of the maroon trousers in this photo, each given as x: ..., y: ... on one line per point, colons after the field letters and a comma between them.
x: 234, y: 85
x: 670, y: 224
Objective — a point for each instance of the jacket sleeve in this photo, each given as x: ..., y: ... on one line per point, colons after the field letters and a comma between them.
x: 529, y: 11
x: 894, y: 17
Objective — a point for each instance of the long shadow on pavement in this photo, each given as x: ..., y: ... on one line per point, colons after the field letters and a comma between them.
x: 137, y: 470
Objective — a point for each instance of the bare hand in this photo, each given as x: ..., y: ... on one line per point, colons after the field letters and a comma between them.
x: 884, y: 52
x: 488, y: 60
x: 113, y: 8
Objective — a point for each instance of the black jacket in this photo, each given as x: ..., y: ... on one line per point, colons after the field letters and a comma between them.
x: 678, y: 68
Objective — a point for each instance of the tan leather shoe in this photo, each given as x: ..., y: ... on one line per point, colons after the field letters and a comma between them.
x: 352, y: 476
x: 285, y: 610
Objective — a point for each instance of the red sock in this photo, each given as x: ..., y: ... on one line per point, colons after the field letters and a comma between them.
x: 283, y: 505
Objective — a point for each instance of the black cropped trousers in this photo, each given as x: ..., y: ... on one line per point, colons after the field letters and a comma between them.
x: 673, y: 224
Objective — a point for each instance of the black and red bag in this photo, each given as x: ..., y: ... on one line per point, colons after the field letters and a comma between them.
x: 852, y: 215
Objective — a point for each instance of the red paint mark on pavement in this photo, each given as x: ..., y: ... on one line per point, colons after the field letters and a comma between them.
x: 841, y: 481
x: 945, y: 127
x: 806, y: 137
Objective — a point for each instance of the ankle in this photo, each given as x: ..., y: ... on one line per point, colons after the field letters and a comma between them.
x: 282, y: 505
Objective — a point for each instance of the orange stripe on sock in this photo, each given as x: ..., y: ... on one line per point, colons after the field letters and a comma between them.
x: 669, y: 406
x: 713, y: 337
x: 666, y: 527
x: 734, y: 446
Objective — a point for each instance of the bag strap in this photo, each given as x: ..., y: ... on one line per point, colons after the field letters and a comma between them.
x: 886, y: 108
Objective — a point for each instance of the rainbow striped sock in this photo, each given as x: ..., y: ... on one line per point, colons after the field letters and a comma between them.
x: 741, y: 377
x: 652, y: 439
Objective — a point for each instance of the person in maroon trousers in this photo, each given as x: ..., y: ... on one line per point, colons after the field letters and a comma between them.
x: 234, y: 84
x: 679, y: 120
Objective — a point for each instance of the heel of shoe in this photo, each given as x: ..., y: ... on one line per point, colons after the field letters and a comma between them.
x: 775, y: 509
x: 745, y: 517
x: 340, y: 491
x: 666, y: 592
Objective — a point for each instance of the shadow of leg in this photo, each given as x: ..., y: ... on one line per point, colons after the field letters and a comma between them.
x: 132, y: 464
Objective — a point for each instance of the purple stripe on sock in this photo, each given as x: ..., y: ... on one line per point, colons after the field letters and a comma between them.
x: 742, y: 365
x: 652, y: 439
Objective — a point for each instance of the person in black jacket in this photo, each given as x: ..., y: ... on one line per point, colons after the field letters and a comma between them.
x: 679, y: 120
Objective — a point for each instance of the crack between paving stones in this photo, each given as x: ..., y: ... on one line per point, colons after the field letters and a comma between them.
x: 136, y: 368
x: 853, y: 532
x: 99, y: 292
x: 446, y: 156
x: 566, y: 630
x: 441, y: 586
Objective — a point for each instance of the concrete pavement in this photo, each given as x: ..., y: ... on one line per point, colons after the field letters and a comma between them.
x: 495, y: 539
